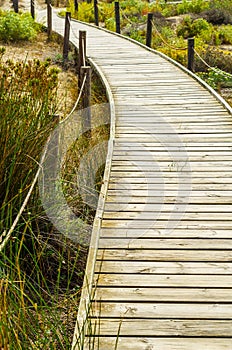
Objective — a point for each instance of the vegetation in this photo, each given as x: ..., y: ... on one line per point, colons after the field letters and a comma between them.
x: 35, y: 263
x: 14, y: 27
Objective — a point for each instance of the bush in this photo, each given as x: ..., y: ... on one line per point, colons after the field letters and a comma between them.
x: 15, y: 27
x: 225, y: 34
x: 194, y: 6
x: 224, y: 5
x: 214, y: 57
x: 217, y: 78
x: 189, y: 27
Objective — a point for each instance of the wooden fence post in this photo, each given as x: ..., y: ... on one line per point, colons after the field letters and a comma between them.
x: 33, y: 9
x: 76, y: 5
x: 96, y: 13
x: 86, y: 99
x: 117, y: 16
x: 191, y: 54
x: 49, y: 18
x: 82, y: 54
x: 16, y: 6
x: 66, y: 35
x: 149, y: 29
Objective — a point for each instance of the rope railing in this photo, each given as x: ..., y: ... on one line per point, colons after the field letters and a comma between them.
x: 7, y: 234
x: 217, y: 70
x: 164, y: 41
x: 77, y: 101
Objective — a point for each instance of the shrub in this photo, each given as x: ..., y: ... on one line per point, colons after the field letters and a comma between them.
x: 224, y: 5
x: 15, y: 27
x: 216, y: 78
x: 225, y: 34
x: 189, y: 27
x: 214, y: 57
x: 194, y: 6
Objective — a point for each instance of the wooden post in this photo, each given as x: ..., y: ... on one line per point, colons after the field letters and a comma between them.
x: 96, y: 13
x: 33, y: 9
x: 117, y: 16
x: 76, y: 5
x: 16, y: 6
x: 86, y: 98
x: 191, y: 54
x: 149, y: 29
x: 66, y: 35
x: 82, y: 54
x: 49, y: 18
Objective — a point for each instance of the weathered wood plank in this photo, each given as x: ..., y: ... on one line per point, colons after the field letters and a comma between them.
x: 171, y: 225
x: 169, y: 294
x: 168, y: 208
x: 174, y: 214
x: 165, y: 255
x: 150, y: 267
x: 165, y: 310
x: 187, y: 232
x: 194, y: 198
x: 164, y: 327
x: 165, y: 343
x: 144, y: 343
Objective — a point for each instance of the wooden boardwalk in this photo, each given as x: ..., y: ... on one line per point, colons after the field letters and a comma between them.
x: 161, y: 250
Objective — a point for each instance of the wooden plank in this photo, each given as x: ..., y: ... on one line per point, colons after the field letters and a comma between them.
x: 164, y: 327
x: 154, y: 157
x: 167, y: 208
x: 155, y: 189
x: 155, y: 294
x: 156, y: 243
x: 175, y: 214
x: 177, y: 255
x: 165, y: 199
x: 182, y: 128
x: 163, y: 267
x: 178, y: 343
x: 196, y: 311
x: 185, y: 176
x: 172, y: 166
x: 167, y: 178
x: 197, y: 232
x: 170, y: 225
x: 156, y: 145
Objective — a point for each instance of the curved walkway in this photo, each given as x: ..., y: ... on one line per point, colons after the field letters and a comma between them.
x: 163, y: 231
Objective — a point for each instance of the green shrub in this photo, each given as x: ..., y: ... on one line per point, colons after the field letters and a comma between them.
x: 225, y: 34
x: 222, y: 5
x: 216, y: 78
x: 189, y: 27
x: 194, y: 6
x: 214, y: 57
x: 15, y: 27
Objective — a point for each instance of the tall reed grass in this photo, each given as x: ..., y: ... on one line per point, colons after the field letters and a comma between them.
x: 40, y: 270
